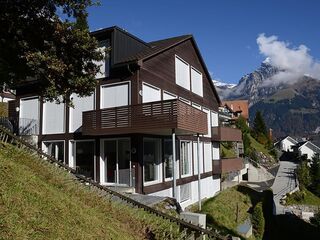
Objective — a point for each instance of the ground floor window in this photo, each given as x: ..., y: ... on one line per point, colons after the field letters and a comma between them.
x: 151, y: 160
x: 168, y: 158
x: 83, y: 157
x: 55, y: 149
x: 185, y: 157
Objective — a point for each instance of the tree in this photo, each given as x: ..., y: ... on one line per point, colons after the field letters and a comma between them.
x: 260, y: 129
x: 315, y: 174
x: 241, y: 123
x: 41, y: 43
x: 303, y: 173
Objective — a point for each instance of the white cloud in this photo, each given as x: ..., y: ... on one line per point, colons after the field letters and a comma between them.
x: 295, y: 61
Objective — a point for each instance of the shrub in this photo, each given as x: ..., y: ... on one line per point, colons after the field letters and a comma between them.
x: 315, y: 220
x: 258, y: 221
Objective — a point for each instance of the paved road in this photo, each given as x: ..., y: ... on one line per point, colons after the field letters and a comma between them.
x: 284, y: 182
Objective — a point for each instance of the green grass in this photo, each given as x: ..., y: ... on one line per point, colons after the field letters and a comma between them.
x: 40, y: 201
x: 308, y: 198
x: 3, y: 109
x: 227, y: 152
x: 222, y: 209
x: 258, y: 146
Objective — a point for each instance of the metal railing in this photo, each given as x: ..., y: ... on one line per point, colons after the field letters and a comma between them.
x: 186, y: 229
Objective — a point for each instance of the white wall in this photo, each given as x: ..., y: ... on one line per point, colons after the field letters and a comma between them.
x: 53, y: 118
x: 209, y: 188
x: 81, y: 104
x: 286, y: 145
x: 207, y: 111
x: 215, y: 151
x: 305, y: 150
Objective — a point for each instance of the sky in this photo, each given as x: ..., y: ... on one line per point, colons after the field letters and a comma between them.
x: 229, y: 33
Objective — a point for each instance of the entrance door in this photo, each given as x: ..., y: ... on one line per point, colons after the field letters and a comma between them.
x: 117, y: 162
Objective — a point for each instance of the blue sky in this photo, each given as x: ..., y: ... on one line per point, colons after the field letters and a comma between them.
x: 225, y: 30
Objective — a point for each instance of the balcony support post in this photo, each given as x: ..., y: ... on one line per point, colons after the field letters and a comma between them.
x: 199, y: 174
x: 174, y: 164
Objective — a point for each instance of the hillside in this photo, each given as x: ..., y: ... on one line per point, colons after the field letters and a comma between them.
x: 40, y: 201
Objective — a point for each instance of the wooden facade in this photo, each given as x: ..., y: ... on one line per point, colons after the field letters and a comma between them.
x: 141, y: 123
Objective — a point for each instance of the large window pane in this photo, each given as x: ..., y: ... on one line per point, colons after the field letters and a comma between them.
x: 151, y: 159
x: 55, y: 149
x: 168, y: 158
x: 84, y: 154
x: 182, y: 73
x: 185, y: 158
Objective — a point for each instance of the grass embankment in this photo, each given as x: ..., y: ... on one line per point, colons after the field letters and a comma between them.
x: 303, y: 197
x: 227, y: 151
x: 40, y: 201
x: 234, y: 206
x: 223, y: 208
x: 258, y: 146
x: 3, y: 109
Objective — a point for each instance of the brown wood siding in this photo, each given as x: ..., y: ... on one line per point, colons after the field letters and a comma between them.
x: 160, y: 72
x: 226, y: 134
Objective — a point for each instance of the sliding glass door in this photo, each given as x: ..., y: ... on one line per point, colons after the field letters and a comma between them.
x: 117, y: 162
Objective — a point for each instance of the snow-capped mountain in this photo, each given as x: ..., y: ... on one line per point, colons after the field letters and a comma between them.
x: 223, y: 85
x: 289, y: 108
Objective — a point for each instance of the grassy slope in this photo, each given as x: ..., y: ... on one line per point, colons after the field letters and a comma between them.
x: 258, y: 146
x: 309, y: 199
x: 222, y: 209
x: 227, y: 153
x: 3, y: 109
x: 39, y: 201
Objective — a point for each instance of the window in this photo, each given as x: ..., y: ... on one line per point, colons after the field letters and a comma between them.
x: 196, y: 82
x: 29, y: 116
x: 81, y: 104
x: 185, y: 158
x: 53, y: 118
x: 55, y: 149
x: 185, y: 100
x: 150, y: 93
x: 195, y: 157
x: 151, y: 160
x: 215, y: 119
x: 168, y: 158
x: 168, y: 96
x: 207, y: 157
x: 197, y: 106
x: 83, y: 157
x: 182, y: 73
x: 115, y: 95
x: 207, y: 111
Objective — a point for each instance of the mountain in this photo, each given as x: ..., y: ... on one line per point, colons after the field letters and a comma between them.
x: 289, y: 109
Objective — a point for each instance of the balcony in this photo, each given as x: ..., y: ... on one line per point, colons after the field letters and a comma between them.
x: 227, y: 134
x: 151, y: 118
x: 226, y: 165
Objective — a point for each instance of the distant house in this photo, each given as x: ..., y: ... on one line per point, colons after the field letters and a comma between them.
x: 286, y: 144
x: 238, y: 107
x: 306, y: 148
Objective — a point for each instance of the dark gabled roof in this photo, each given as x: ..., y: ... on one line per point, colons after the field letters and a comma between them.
x: 156, y: 47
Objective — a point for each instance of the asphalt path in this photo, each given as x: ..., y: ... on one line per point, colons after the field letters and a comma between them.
x: 284, y: 183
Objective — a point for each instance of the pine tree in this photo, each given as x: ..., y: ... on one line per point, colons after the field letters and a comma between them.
x: 260, y: 132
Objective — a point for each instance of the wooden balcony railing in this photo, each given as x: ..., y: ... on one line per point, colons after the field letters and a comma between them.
x: 226, y: 165
x: 227, y: 134
x: 154, y: 117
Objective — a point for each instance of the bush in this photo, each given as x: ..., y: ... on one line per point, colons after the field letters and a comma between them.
x: 316, y: 220
x: 258, y: 221
x: 303, y: 173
